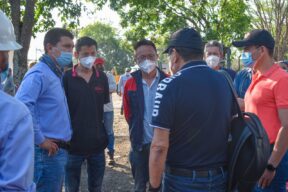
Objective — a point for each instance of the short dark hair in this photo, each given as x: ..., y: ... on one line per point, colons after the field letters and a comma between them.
x: 270, y: 51
x: 144, y: 42
x: 85, y: 41
x: 188, y: 53
x: 54, y: 35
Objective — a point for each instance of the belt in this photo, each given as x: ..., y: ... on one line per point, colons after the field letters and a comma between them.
x: 194, y: 173
x: 63, y: 144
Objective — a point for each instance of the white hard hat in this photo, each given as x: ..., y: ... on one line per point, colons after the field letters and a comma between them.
x: 7, y: 36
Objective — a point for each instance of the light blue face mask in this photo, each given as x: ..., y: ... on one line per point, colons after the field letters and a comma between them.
x: 64, y: 59
x: 246, y: 59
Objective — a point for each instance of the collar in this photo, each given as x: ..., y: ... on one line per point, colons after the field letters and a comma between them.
x: 194, y: 63
x: 269, y: 72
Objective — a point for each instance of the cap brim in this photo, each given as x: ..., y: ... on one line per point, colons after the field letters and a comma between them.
x: 242, y: 43
x: 166, y: 50
x: 10, y: 46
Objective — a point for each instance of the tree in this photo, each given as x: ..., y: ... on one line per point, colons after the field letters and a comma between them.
x: 273, y: 16
x: 224, y: 20
x: 32, y: 16
x: 116, y: 52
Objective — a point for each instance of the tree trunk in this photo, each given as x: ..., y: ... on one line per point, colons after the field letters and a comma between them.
x: 23, y: 32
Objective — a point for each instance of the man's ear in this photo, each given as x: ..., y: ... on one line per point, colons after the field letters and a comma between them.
x: 48, y: 48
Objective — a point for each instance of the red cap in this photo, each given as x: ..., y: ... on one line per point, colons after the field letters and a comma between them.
x: 99, y: 61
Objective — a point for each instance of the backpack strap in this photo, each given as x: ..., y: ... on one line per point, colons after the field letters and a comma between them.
x: 234, y: 93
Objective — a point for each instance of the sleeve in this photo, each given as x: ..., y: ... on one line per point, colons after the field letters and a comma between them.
x: 120, y: 85
x: 29, y: 91
x: 112, y: 83
x: 106, y: 88
x: 126, y: 102
x: 17, y: 157
x: 281, y: 93
x: 237, y: 82
x: 164, y: 105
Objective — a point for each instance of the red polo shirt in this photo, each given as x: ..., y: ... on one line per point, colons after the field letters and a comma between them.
x: 266, y: 94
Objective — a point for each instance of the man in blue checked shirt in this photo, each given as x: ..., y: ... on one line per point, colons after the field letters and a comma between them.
x: 16, y: 128
x: 42, y: 92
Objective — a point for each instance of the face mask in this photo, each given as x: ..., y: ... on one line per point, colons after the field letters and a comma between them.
x: 64, y: 59
x: 246, y: 59
x: 87, y: 62
x: 212, y: 61
x: 147, y: 66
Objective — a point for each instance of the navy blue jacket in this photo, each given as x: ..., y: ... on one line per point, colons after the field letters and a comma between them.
x: 133, y: 102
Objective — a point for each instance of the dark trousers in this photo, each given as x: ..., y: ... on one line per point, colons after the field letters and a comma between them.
x: 139, y: 161
x: 95, y: 170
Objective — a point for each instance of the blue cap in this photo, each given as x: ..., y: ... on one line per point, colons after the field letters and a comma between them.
x: 187, y: 38
x: 260, y: 37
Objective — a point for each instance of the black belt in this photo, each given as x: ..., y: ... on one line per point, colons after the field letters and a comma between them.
x: 194, y: 173
x: 63, y: 145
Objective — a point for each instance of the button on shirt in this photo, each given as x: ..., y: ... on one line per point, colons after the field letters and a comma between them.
x: 149, y: 97
x: 16, y: 146
x: 267, y: 93
x: 42, y: 92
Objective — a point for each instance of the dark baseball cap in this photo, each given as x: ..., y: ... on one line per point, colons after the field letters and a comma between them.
x: 187, y: 38
x: 260, y: 37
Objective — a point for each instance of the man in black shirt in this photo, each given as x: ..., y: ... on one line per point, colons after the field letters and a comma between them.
x: 87, y: 91
x: 191, y: 117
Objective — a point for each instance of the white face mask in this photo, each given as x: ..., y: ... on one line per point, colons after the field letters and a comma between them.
x: 87, y: 62
x: 147, y: 66
x: 213, y: 61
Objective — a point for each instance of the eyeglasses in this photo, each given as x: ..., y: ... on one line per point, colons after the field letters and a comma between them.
x: 141, y: 58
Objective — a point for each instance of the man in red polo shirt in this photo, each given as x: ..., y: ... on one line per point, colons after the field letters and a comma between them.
x: 267, y: 97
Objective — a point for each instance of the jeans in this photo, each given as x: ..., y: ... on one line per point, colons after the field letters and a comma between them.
x: 108, y: 122
x: 49, y: 170
x: 278, y: 184
x: 212, y: 183
x: 95, y: 170
x: 139, y: 161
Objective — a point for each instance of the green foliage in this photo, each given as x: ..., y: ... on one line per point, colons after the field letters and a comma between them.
x: 117, y: 53
x: 69, y: 13
x: 224, y: 20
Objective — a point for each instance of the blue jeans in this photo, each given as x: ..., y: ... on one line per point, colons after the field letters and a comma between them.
x: 140, y: 168
x: 108, y: 122
x: 49, y: 170
x: 95, y: 170
x: 212, y: 183
x: 278, y: 184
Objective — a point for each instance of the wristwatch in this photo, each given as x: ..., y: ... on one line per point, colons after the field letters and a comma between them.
x: 270, y: 167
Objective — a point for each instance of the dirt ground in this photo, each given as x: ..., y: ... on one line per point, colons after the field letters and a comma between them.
x: 117, y: 178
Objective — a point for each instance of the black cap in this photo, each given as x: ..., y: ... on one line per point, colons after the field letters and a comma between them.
x: 259, y: 37
x: 187, y: 38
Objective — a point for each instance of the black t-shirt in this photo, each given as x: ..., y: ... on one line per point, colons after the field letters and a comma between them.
x: 86, y: 102
x: 195, y: 105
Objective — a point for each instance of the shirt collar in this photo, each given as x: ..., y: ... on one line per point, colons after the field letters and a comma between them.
x: 270, y: 71
x: 194, y: 63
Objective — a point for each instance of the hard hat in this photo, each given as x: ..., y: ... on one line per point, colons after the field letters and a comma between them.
x: 7, y: 36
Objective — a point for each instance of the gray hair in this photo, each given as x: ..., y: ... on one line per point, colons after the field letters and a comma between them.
x: 214, y: 43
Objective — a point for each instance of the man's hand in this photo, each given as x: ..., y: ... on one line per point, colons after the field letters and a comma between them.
x: 266, y: 178
x: 50, y: 146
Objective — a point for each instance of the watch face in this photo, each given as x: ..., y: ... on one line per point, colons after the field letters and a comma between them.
x: 270, y: 167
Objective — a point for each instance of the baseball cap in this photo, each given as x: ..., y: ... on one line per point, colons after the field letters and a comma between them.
x: 259, y: 37
x: 187, y: 38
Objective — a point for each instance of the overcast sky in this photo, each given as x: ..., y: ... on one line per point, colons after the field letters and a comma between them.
x: 105, y: 15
